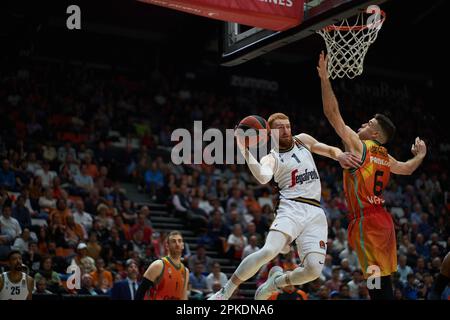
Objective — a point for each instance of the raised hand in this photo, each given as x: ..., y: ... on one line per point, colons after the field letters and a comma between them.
x: 322, y: 67
x: 419, y: 148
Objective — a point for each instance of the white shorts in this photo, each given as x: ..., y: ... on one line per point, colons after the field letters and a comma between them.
x: 304, y: 223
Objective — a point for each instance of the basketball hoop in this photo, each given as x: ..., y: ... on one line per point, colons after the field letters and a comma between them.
x: 347, y: 44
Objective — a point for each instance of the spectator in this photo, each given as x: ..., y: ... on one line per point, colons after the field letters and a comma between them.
x: 335, y: 282
x: 101, y: 277
x: 21, y: 213
x: 141, y: 225
x: 398, y: 294
x: 424, y: 226
x: 340, y: 243
x: 416, y: 215
x: 23, y: 177
x: 421, y: 248
x: 128, y: 213
x: 410, y: 292
x: 403, y: 269
x: 49, y: 153
x: 33, y: 165
x: 31, y: 258
x: 201, y: 257
x: 250, y: 248
x: 261, y: 223
x: 218, y: 231
x: 93, y: 246
x: 41, y: 287
x: 7, y: 176
x: 65, y: 150
x: 47, y: 202
x: 145, y: 212
x: 126, y: 289
x: 9, y: 226
x: 52, y: 278
x: 237, y: 200
x: 216, y: 276
x: 434, y: 240
x: 411, y: 255
x: 62, y: 211
x: 327, y: 267
x: 197, y: 282
x: 46, y: 175
x: 344, y: 292
x: 22, y: 243
x: 353, y: 285
x: 251, y: 231
x: 204, y: 204
x: 421, y: 267
x: 154, y: 180
x: 236, y: 243
x: 324, y: 293
x: 82, y: 217
x: 74, y: 232
x: 82, y: 260
x: 91, y: 168
x: 181, y: 201
x: 197, y: 217
x: 103, y: 218
x: 346, y: 271
x: 84, y: 181
x: 87, y: 287
x: 351, y: 256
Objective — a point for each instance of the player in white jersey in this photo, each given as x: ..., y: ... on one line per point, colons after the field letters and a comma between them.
x: 299, y: 216
x: 15, y: 284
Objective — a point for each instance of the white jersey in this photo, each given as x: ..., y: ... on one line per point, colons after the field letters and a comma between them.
x: 14, y: 291
x: 296, y: 174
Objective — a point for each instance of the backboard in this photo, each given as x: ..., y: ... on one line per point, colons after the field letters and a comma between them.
x: 242, y: 43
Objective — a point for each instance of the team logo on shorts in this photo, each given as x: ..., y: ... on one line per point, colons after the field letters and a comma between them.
x: 322, y: 244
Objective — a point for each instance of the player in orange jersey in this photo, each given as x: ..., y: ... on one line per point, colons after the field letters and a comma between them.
x: 371, y: 230
x: 166, y: 278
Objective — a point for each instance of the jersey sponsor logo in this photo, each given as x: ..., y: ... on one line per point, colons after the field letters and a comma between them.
x: 303, y: 177
x: 375, y: 200
x: 378, y: 150
x: 381, y: 162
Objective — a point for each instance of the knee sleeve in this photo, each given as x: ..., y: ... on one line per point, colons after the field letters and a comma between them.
x: 311, y: 270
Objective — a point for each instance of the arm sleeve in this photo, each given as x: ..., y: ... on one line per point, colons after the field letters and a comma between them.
x: 143, y: 288
x: 263, y: 172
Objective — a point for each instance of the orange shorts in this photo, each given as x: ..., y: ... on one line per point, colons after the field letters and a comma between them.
x: 372, y: 236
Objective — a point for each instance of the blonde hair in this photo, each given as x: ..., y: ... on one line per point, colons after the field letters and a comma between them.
x: 174, y: 233
x: 276, y: 116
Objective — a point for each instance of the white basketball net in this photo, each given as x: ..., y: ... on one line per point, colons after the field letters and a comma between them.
x: 347, y: 44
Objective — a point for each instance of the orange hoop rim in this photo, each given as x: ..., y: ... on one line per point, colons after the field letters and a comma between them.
x: 358, y: 27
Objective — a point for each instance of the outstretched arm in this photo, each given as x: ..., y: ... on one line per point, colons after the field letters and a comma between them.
x: 331, y: 110
x: 419, y: 150
x: 346, y: 160
x: 263, y: 172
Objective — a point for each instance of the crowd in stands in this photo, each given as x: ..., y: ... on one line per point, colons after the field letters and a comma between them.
x: 70, y: 136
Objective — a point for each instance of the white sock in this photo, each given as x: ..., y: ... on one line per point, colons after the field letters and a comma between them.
x: 229, y: 289
x: 282, y: 280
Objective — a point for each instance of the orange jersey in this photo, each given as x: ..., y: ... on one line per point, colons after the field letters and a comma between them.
x: 364, y: 186
x: 171, y: 284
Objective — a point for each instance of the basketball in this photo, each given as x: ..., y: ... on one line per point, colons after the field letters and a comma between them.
x: 256, y: 130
